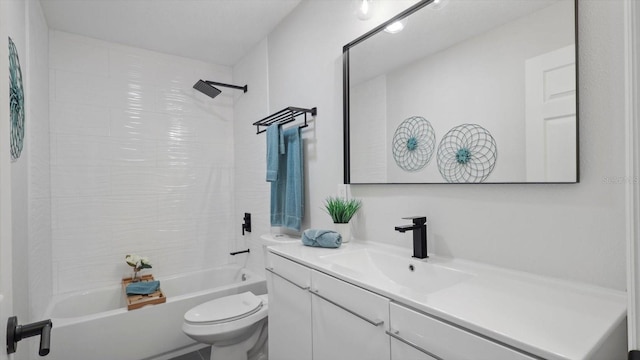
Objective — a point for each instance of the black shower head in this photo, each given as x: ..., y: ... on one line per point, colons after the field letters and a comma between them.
x: 206, y: 87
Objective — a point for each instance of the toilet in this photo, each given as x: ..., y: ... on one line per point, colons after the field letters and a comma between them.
x: 236, y: 325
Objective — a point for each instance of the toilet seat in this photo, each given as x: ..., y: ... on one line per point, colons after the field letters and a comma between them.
x: 223, y: 310
x: 236, y: 328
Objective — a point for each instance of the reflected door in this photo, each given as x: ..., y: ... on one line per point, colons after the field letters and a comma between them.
x: 551, y: 116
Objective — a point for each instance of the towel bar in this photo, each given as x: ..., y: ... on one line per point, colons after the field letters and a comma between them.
x: 284, y: 116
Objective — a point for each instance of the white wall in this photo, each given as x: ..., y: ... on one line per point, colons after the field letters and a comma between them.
x: 17, y: 25
x: 252, y: 192
x: 39, y: 238
x: 28, y: 30
x: 566, y: 231
x: 141, y: 162
x: 19, y: 173
x: 29, y: 174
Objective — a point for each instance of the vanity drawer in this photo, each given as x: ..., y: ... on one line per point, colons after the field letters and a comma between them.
x: 289, y: 270
x: 362, y: 303
x: 444, y: 341
x: 348, y: 322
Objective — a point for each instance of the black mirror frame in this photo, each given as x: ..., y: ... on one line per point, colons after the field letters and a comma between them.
x: 346, y: 108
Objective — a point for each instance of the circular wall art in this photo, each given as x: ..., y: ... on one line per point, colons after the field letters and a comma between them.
x: 16, y: 101
x: 467, y: 153
x: 413, y: 143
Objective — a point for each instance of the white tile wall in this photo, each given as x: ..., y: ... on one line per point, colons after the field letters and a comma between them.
x: 140, y: 162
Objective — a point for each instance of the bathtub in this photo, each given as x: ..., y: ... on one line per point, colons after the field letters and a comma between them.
x: 96, y: 324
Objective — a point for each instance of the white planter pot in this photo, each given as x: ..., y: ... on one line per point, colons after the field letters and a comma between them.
x: 344, y: 230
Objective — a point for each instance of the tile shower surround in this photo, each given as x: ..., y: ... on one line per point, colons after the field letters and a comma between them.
x: 140, y: 162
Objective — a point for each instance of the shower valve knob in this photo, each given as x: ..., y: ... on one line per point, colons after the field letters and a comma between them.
x: 247, y: 223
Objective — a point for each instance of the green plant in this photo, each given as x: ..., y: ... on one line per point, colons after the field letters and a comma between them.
x: 137, y: 263
x: 341, y: 210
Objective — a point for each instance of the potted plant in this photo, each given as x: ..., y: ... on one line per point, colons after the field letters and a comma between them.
x: 341, y: 211
x: 137, y: 263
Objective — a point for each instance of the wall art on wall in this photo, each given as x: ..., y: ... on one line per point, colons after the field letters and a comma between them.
x: 467, y: 154
x: 413, y: 143
x: 16, y: 102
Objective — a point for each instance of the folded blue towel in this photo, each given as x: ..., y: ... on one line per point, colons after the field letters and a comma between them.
x: 275, y: 147
x: 321, y: 238
x: 143, y: 287
x: 287, y: 192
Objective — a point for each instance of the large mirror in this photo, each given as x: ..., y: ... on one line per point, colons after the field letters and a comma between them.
x: 468, y: 91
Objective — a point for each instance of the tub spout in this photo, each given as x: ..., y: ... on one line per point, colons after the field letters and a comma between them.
x: 45, y: 340
x: 17, y: 332
x: 240, y: 252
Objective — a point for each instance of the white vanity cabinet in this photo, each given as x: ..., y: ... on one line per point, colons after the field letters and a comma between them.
x: 315, y: 316
x: 372, y: 301
x: 289, y: 309
x: 435, y: 339
x: 348, y: 322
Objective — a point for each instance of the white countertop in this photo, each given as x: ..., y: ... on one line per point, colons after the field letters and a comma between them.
x: 547, y: 317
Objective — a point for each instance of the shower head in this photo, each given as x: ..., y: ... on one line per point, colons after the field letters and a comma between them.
x: 206, y: 87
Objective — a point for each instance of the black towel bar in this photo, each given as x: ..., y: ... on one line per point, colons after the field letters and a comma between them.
x: 284, y: 116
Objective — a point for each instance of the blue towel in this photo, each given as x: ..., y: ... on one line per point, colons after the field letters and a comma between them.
x: 275, y: 147
x: 294, y: 203
x: 143, y: 287
x: 287, y: 192
x: 321, y: 238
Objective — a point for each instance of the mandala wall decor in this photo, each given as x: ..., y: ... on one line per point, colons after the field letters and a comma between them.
x: 467, y: 154
x: 16, y: 102
x: 413, y: 143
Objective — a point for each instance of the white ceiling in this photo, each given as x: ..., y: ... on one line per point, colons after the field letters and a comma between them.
x: 215, y: 31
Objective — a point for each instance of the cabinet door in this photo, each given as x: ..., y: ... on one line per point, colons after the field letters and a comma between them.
x: 402, y: 351
x: 289, y: 310
x: 348, y: 322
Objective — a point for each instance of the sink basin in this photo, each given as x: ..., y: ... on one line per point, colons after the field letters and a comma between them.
x: 397, y: 271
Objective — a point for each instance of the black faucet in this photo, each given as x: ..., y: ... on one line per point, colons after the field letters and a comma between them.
x: 419, y: 228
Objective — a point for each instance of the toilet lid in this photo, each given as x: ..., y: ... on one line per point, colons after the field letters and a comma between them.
x: 224, y: 309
